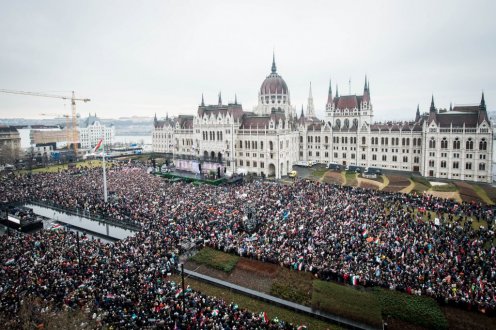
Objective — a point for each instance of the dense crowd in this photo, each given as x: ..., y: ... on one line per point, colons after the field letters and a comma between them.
x: 354, y: 235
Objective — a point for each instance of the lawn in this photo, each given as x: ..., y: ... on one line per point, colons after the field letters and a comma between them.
x: 318, y: 173
x: 216, y: 259
x: 449, y: 187
x: 346, y: 301
x: 351, y: 179
x: 256, y: 305
x: 421, y: 311
x: 293, y: 286
x: 371, y: 306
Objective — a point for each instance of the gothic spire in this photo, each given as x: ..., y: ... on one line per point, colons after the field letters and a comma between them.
x: 483, y: 102
x: 274, y: 69
x: 310, y: 107
x: 220, y: 99
x: 451, y: 106
x: 337, y: 92
x: 365, y: 86
x: 203, y: 101
x: 329, y: 94
x: 417, y: 115
x: 302, y: 114
x: 433, y: 108
x: 235, y: 98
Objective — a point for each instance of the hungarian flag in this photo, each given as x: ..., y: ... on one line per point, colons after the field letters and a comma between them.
x: 56, y: 227
x: 365, y: 233
x: 178, y: 293
x: 99, y: 146
x: 266, y: 318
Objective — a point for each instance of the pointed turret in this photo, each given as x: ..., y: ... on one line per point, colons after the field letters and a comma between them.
x: 432, y: 108
x: 483, y: 103
x: 235, y: 99
x: 337, y: 91
x: 274, y: 68
x: 451, y: 107
x: 329, y: 93
x: 310, y: 107
x: 366, y: 92
x: 203, y: 101
x: 166, y: 116
x: 220, y: 99
x: 417, y: 115
x: 155, y: 118
x: 302, y: 114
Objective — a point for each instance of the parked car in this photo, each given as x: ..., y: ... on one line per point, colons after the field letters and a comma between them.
x: 293, y: 174
x: 355, y: 168
x: 303, y: 163
x: 334, y: 166
x: 374, y: 170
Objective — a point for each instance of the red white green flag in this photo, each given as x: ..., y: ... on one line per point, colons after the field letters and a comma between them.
x: 99, y: 146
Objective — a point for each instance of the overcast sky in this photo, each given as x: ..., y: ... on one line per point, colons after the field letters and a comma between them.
x: 142, y: 57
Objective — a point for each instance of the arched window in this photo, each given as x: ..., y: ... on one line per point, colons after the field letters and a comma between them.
x: 271, y: 145
x: 419, y: 142
x: 326, y: 139
x: 483, y: 144
x: 355, y: 122
x: 469, y: 145
x: 444, y: 143
x: 456, y: 143
x: 364, y: 140
x: 346, y: 123
x: 338, y: 123
x: 432, y: 143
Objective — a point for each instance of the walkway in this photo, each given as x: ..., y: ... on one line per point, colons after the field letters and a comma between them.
x: 350, y: 324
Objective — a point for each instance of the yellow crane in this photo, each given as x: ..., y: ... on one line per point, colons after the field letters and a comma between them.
x: 75, y: 135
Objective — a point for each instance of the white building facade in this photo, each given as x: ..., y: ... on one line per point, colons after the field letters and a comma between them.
x: 91, y: 130
x: 449, y: 144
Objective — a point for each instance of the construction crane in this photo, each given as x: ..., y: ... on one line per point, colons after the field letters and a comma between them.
x: 75, y: 135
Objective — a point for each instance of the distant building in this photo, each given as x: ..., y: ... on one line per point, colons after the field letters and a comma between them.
x: 91, y: 130
x: 10, y: 144
x: 450, y: 144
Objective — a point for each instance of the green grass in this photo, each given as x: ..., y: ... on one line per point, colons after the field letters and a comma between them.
x: 449, y: 187
x: 351, y: 179
x: 419, y: 187
x: 318, y: 173
x: 482, y: 194
x: 371, y: 306
x: 257, y: 306
x: 420, y: 179
x: 346, y: 301
x: 422, y: 311
x: 293, y: 286
x: 215, y: 259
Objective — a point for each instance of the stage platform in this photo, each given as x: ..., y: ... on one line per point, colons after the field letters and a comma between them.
x: 191, y: 177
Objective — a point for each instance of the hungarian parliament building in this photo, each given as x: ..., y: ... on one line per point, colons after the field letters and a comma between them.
x: 441, y: 143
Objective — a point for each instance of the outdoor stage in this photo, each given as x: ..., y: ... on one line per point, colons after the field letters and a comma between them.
x: 178, y: 175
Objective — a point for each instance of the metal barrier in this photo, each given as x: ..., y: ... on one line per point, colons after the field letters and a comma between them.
x: 118, y: 223
x: 347, y: 323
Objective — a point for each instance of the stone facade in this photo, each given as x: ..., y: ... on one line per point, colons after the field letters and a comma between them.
x: 91, y: 131
x: 10, y: 144
x: 451, y: 144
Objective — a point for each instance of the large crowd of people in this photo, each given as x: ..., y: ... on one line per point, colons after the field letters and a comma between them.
x: 353, y: 235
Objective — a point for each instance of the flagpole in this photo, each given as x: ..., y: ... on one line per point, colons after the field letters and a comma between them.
x: 104, y: 176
